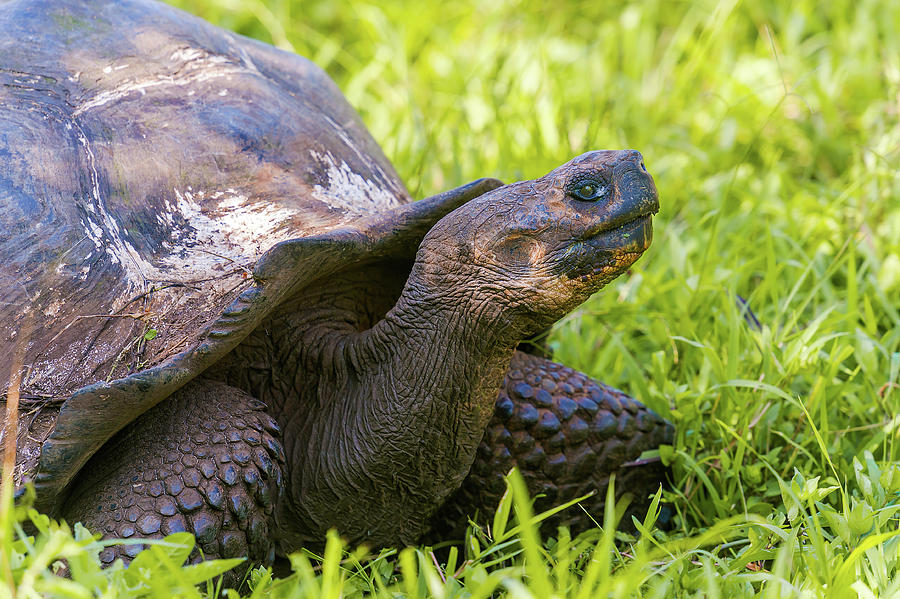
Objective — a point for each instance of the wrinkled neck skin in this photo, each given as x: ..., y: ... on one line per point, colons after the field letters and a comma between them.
x: 384, y: 423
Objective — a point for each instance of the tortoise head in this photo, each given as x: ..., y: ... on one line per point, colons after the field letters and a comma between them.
x: 539, y: 248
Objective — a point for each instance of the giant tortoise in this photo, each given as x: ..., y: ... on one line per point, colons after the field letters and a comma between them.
x: 223, y: 312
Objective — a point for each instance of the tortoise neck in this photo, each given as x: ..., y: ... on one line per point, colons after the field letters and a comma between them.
x: 440, y: 347
x: 395, y: 427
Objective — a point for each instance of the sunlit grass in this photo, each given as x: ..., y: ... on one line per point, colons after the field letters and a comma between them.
x: 772, y: 131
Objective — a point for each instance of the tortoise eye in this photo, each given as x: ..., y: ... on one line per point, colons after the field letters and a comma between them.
x: 589, y: 191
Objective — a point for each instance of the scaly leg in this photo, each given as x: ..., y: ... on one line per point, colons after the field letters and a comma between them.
x: 566, y: 433
x: 208, y: 460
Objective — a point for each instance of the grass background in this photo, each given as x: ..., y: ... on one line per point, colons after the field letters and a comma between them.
x: 772, y: 132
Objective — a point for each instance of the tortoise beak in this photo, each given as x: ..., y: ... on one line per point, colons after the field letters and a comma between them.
x: 635, y: 187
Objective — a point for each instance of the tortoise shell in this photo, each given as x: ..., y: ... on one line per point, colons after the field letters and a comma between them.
x: 164, y: 183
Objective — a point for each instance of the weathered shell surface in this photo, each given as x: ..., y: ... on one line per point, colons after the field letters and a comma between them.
x: 147, y: 160
x: 164, y: 184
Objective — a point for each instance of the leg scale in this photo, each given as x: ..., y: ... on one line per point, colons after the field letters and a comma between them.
x: 208, y: 460
x: 567, y: 434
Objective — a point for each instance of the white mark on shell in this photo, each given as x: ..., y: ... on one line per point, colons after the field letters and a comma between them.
x: 365, y: 158
x: 209, y: 232
x: 348, y: 190
x: 53, y: 308
x: 191, y: 65
x: 101, y: 228
x: 186, y: 54
x: 209, y: 235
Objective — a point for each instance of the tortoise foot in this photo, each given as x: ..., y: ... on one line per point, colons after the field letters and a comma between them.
x: 567, y: 434
x: 208, y: 461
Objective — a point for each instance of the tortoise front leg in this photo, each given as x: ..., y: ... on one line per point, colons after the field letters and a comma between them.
x: 208, y: 460
x: 566, y: 433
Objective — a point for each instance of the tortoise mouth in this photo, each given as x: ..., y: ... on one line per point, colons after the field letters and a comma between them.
x: 631, y: 235
x: 607, y: 252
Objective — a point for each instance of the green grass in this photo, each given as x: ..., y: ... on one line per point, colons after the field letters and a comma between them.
x: 773, y: 134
